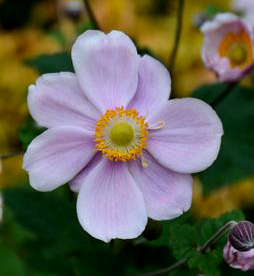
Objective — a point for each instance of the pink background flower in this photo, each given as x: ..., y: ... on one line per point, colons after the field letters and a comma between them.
x: 215, y: 32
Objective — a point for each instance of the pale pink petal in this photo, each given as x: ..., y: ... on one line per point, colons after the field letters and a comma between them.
x: 57, y: 99
x: 107, y: 68
x: 76, y: 183
x: 154, y: 85
x: 110, y: 205
x: 243, y: 260
x: 57, y: 155
x: 191, y: 137
x: 167, y: 194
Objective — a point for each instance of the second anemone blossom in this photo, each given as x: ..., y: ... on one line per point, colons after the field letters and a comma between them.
x: 115, y: 137
x: 228, y: 47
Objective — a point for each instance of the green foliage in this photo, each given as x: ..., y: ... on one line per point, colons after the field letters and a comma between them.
x: 60, y: 62
x: 10, y: 263
x: 43, y: 238
x: 29, y: 130
x: 57, y: 244
x: 235, y: 160
x: 186, y: 239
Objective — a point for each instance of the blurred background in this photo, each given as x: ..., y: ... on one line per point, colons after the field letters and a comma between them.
x: 33, y: 30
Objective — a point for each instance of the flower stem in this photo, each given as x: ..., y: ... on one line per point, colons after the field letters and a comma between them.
x: 202, y: 249
x: 230, y: 87
x: 177, y: 35
x: 229, y: 225
x: 167, y: 269
x: 11, y: 154
x: 91, y: 15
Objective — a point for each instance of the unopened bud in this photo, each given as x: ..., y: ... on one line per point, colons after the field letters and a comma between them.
x: 241, y: 236
x: 153, y: 230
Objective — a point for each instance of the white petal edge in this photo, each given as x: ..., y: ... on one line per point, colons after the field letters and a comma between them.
x: 57, y: 155
x: 110, y: 205
x: 167, y: 194
x: 191, y: 138
x: 56, y: 99
x: 154, y: 86
x: 107, y: 68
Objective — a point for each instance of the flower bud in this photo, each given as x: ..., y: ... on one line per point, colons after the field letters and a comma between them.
x: 153, y: 230
x: 237, y: 259
x: 241, y: 236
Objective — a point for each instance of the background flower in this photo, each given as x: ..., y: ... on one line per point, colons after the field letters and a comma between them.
x: 228, y: 46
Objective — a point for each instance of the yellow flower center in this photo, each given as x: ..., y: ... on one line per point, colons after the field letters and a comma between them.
x: 237, y: 47
x: 237, y: 54
x: 121, y: 134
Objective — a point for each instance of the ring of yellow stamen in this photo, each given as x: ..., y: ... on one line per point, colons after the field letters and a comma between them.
x: 121, y: 134
x: 237, y: 47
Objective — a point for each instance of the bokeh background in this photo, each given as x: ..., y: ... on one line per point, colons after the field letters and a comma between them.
x: 34, y: 28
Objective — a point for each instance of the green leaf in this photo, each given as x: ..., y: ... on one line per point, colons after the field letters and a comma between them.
x: 235, y: 160
x: 182, y: 240
x: 86, y: 26
x: 207, y: 263
x: 54, y: 63
x: 10, y: 263
x: 186, y: 239
x: 57, y: 235
x: 29, y: 130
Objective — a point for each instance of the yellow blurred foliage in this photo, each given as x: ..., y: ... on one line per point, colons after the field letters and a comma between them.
x: 15, y: 77
x: 236, y: 196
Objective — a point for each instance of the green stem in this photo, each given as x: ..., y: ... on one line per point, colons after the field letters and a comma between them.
x: 177, y: 35
x: 91, y: 15
x: 202, y: 249
x: 229, y: 225
x: 230, y: 87
x: 167, y: 269
x: 9, y: 155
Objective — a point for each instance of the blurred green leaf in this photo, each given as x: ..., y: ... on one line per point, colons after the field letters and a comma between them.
x: 29, y: 130
x: 52, y: 219
x: 85, y: 26
x: 235, y: 160
x: 186, y: 239
x: 10, y: 263
x: 60, y: 62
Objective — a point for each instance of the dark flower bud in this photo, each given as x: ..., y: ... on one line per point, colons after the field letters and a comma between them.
x: 153, y: 230
x: 241, y: 236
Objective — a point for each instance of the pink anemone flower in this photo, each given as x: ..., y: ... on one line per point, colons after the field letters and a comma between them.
x: 228, y: 46
x: 115, y: 137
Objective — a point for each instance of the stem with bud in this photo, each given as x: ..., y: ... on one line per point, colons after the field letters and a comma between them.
x: 202, y: 249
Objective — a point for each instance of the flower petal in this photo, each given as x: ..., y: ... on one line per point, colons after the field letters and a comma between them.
x: 191, y: 138
x: 110, y: 204
x: 107, y: 68
x: 154, y: 85
x: 78, y: 180
x: 57, y: 155
x: 167, y: 194
x: 57, y: 99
